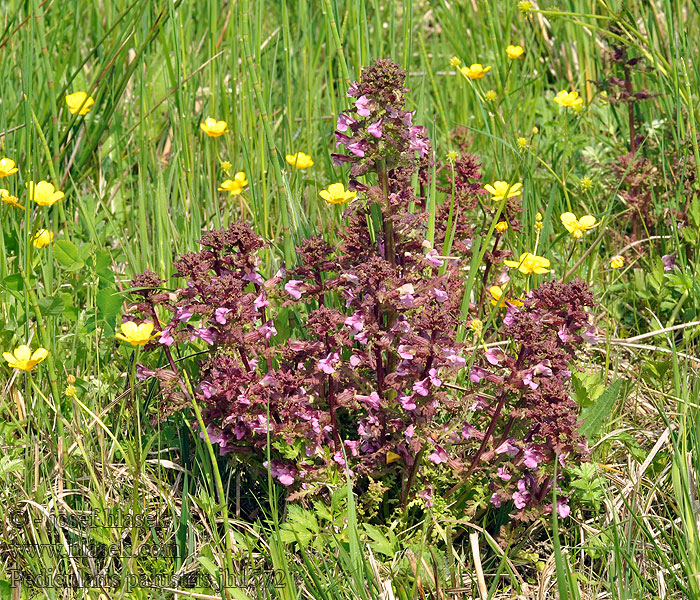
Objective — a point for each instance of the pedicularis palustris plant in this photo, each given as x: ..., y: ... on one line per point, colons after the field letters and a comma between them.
x: 364, y: 383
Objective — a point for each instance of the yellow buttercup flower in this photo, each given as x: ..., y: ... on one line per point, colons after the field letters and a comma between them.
x: 300, y: 160
x: 336, y: 194
x: 475, y: 71
x: 501, y: 226
x: 42, y: 238
x: 23, y: 359
x: 617, y: 262
x: 7, y: 167
x: 137, y: 335
x: 43, y: 193
x: 234, y: 186
x: 79, y: 102
x: 530, y: 263
x: 522, y: 143
x: 502, y: 189
x: 392, y: 457
x: 514, y: 52
x: 568, y: 99
x: 577, y: 227
x: 8, y: 198
x: 498, y: 299
x: 213, y: 128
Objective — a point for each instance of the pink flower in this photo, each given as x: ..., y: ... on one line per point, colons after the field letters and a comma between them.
x: 531, y: 458
x: 439, y: 295
x: 357, y: 148
x: 432, y: 375
x: 341, y: 138
x: 503, y: 474
x: 439, y: 456
x: 295, y: 288
x: 268, y: 330
x: 373, y: 400
x: 404, y: 352
x: 563, y: 509
x: 344, y: 122
x: 407, y: 402
x: 410, y: 431
x: 453, y: 358
x: 375, y: 129
x: 326, y: 364
x: 507, y: 448
x: 495, y: 355
x: 355, y: 360
x: 520, y: 499
x: 261, y: 301
x: 421, y: 387
x: 166, y: 337
x: 220, y: 315
x: 356, y: 321
x: 353, y: 90
x: 495, y: 500
x: 589, y: 335
x: 352, y: 446
x: 254, y: 277
x: 417, y: 141
x: 468, y: 431
x: 183, y: 314
x: 427, y: 495
x: 362, y: 104
x: 432, y: 257
x: 477, y: 374
x: 283, y: 473
x: 205, y: 333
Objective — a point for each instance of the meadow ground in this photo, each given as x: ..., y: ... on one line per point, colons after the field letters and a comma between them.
x: 349, y: 299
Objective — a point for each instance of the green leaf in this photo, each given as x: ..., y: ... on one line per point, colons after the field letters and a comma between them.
x: 109, y: 302
x: 13, y: 283
x: 209, y: 565
x: 103, y: 266
x: 594, y: 416
x: 66, y: 254
x: 51, y: 307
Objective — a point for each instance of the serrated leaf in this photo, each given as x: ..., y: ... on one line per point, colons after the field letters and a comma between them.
x: 594, y: 416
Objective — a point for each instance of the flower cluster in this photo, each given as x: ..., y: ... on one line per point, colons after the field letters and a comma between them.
x: 529, y: 420
x: 360, y: 378
x: 377, y: 127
